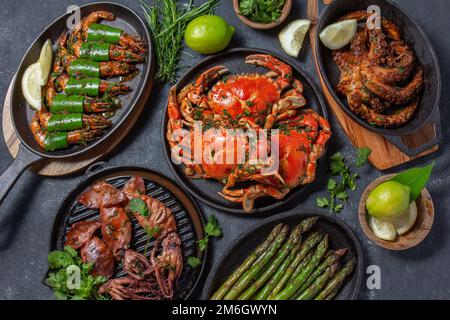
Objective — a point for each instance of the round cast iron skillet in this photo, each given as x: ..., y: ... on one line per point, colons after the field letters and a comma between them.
x: 30, y: 152
x: 188, y: 217
x: 207, y: 190
x: 412, y: 33
x: 341, y: 236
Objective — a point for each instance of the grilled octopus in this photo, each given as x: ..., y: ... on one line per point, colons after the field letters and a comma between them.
x: 379, y: 74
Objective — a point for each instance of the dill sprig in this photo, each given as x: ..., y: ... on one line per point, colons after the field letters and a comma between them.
x: 167, y: 21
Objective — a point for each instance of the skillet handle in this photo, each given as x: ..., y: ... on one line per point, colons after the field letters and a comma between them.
x: 24, y: 159
x: 415, y: 151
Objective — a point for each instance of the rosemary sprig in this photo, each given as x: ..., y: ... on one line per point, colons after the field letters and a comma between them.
x: 167, y: 21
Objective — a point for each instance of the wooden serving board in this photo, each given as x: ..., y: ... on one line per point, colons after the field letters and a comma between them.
x: 52, y: 167
x: 384, y: 154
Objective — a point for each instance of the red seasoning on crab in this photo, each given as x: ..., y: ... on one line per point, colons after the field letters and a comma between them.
x: 247, y: 102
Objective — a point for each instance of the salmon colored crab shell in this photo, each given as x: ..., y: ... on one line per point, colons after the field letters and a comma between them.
x: 250, y: 102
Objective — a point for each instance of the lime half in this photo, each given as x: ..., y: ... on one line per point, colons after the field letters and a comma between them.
x: 45, y: 60
x: 293, y: 35
x: 339, y: 34
x: 208, y: 34
x: 406, y: 221
x: 384, y: 230
x: 31, y: 85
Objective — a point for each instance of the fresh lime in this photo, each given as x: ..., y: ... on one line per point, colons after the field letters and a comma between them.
x: 208, y: 34
x: 384, y: 230
x: 388, y: 200
x: 406, y: 221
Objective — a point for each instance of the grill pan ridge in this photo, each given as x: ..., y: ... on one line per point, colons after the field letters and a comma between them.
x: 188, y: 219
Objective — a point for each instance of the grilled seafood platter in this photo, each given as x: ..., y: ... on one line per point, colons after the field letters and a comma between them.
x: 271, y: 106
x: 80, y: 97
x: 379, y: 74
x: 106, y: 242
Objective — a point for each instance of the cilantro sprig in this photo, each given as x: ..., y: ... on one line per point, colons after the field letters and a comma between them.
x: 59, y: 261
x: 342, y: 180
x: 138, y: 205
x: 212, y: 229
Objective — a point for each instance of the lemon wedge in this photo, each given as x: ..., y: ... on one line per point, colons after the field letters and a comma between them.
x: 293, y: 35
x: 339, y: 34
x: 405, y: 222
x: 384, y: 230
x: 45, y: 60
x: 31, y: 85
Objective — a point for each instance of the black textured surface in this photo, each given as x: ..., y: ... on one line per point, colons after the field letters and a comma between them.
x: 27, y: 213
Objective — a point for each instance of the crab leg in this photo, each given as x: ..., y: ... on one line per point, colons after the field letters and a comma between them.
x: 283, y: 70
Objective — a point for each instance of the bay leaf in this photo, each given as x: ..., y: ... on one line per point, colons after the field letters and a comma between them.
x: 415, y: 178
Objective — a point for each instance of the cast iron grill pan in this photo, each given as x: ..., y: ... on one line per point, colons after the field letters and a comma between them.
x: 188, y: 219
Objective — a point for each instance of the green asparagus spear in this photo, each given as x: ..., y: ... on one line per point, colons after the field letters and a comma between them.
x: 319, y: 283
x: 265, y: 291
x: 309, y: 243
x: 259, y: 264
x: 220, y: 293
x: 334, y: 257
x: 337, y: 280
x: 281, y: 256
x: 333, y: 294
x: 308, y: 223
x: 295, y: 285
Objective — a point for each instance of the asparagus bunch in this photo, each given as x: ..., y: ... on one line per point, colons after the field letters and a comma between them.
x: 283, y: 267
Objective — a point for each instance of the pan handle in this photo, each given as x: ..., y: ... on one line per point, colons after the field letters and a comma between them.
x: 411, y: 151
x: 24, y: 159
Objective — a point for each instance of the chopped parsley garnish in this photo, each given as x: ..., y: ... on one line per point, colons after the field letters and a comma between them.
x: 139, y: 206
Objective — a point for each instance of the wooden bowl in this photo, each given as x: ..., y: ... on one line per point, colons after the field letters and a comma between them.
x: 420, y: 229
x: 264, y: 26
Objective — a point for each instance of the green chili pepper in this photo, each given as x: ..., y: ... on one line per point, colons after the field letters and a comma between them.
x: 56, y: 141
x: 88, y: 87
x: 96, y: 51
x: 81, y: 68
x: 103, y: 33
x: 65, y: 122
x: 63, y: 103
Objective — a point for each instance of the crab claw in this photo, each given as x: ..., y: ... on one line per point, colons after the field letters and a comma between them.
x: 282, y: 69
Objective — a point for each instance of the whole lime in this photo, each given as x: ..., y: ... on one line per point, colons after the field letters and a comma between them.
x: 208, y: 34
x: 388, y: 200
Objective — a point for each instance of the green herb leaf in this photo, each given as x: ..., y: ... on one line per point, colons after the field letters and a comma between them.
x: 139, y: 206
x: 194, y: 262
x: 167, y: 21
x: 362, y: 156
x: 322, y: 202
x: 331, y: 184
x: 338, y: 208
x: 59, y: 261
x: 415, y: 179
x: 203, y: 243
x: 342, y: 195
x: 153, y: 231
x: 212, y: 227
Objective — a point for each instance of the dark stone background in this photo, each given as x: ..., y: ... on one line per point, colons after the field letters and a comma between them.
x: 27, y: 213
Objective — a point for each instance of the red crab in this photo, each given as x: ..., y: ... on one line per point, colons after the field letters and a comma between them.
x: 248, y: 101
